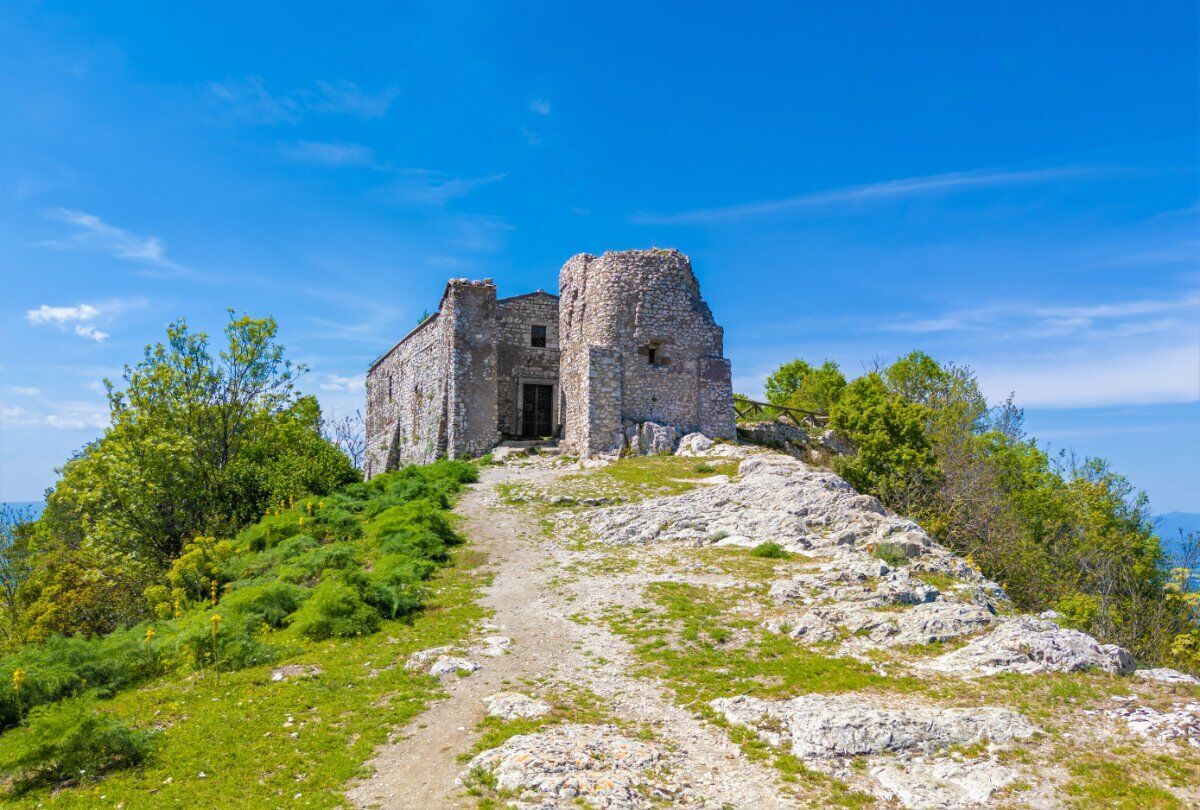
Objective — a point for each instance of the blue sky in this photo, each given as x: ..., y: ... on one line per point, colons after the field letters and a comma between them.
x: 1013, y: 187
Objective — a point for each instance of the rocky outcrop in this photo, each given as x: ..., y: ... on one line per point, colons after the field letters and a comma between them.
x: 1031, y: 646
x: 514, y: 705
x: 1180, y: 723
x: 598, y: 765
x: 777, y: 434
x: 824, y: 727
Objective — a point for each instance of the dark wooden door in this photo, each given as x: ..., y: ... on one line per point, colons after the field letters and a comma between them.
x: 537, y: 413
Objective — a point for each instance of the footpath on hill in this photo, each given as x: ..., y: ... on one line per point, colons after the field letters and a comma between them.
x: 729, y: 628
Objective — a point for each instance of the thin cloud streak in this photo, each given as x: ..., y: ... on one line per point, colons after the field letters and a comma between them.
x: 94, y: 234
x: 890, y: 189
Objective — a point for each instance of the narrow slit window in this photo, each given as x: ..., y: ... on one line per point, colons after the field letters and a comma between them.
x: 537, y: 336
x: 652, y: 356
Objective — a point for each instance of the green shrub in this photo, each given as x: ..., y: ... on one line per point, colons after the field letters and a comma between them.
x: 62, y: 667
x: 309, y: 566
x: 704, y: 467
x: 269, y: 603
x: 69, y: 742
x: 769, y: 550
x: 335, y: 609
x: 891, y: 554
x: 236, y: 644
x: 394, y: 585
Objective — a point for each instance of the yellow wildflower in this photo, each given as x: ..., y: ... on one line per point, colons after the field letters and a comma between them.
x: 18, y: 678
x: 149, y: 634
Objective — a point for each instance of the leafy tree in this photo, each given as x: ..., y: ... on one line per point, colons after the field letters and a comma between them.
x: 15, y: 561
x: 894, y: 459
x: 819, y: 389
x: 785, y: 381
x: 200, y: 444
x: 1056, y: 532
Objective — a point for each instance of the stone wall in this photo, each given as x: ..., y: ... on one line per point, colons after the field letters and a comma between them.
x: 519, y: 362
x: 662, y: 360
x: 629, y: 341
x: 406, y: 401
x: 472, y: 327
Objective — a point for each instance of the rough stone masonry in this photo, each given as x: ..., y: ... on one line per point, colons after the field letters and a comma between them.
x: 630, y: 350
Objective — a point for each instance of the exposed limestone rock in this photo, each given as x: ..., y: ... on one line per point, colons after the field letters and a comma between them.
x: 822, y: 726
x: 1166, y: 676
x: 1180, y: 723
x: 452, y: 665
x: 420, y: 660
x: 1030, y: 646
x: 295, y: 671
x: 502, y: 455
x: 596, y: 764
x: 943, y: 784
x: 694, y: 444
x: 832, y: 444
x: 495, y: 646
x: 777, y: 434
x: 439, y: 661
x: 650, y: 439
x: 514, y: 705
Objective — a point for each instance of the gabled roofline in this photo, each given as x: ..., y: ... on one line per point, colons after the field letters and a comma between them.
x: 401, y: 341
x: 438, y: 311
x: 526, y: 295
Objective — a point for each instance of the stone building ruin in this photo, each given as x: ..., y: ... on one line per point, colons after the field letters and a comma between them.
x: 628, y: 358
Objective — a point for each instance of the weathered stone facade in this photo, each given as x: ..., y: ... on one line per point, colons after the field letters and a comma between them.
x: 632, y: 343
x: 639, y: 345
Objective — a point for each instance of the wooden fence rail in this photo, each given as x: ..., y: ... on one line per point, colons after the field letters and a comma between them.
x: 748, y: 408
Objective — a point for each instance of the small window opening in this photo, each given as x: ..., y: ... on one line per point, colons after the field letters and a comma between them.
x: 537, y: 336
x: 652, y: 356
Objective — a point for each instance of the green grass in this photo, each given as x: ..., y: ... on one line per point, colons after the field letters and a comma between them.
x: 692, y: 641
x: 236, y: 731
x: 1108, y: 781
x: 891, y: 554
x: 772, y: 551
x: 626, y: 480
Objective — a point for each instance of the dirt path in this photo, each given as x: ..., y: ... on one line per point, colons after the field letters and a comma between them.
x: 420, y: 768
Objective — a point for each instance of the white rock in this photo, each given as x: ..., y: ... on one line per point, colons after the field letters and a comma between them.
x: 823, y: 726
x: 1032, y: 646
x: 502, y: 454
x: 513, y: 705
x: 570, y: 760
x: 943, y: 784
x: 452, y: 665
x: 495, y: 646
x: 420, y: 660
x: 694, y: 444
x: 1166, y: 675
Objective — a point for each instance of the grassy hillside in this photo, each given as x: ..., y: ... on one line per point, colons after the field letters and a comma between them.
x: 274, y: 669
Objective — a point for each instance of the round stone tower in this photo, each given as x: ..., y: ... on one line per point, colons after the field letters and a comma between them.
x: 638, y: 344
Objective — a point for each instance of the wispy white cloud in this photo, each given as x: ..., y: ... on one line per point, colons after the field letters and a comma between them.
x: 250, y: 100
x: 424, y: 187
x: 1155, y: 375
x: 25, y: 391
x: 346, y: 98
x: 1124, y: 318
x: 531, y: 137
x: 352, y: 384
x: 81, y: 318
x: 540, y: 106
x: 93, y: 233
x: 890, y: 189
x: 69, y: 415
x: 333, y: 153
x: 76, y: 317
